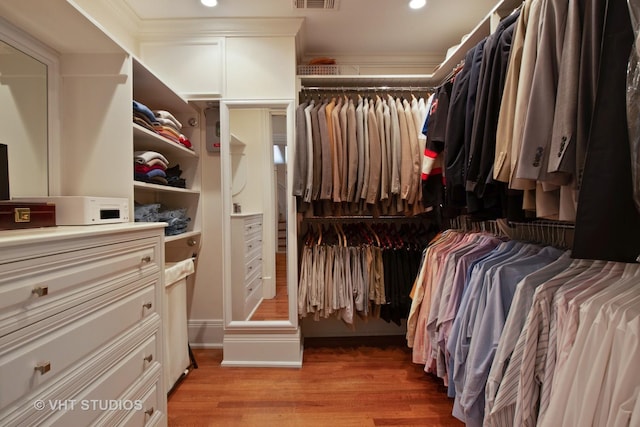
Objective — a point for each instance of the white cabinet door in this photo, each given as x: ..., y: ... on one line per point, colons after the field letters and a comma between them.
x: 193, y: 69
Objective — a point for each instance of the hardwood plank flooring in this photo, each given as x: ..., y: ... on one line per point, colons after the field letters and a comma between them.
x: 338, y: 385
x: 276, y: 308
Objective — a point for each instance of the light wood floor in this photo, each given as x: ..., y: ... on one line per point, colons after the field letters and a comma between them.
x: 360, y: 385
x: 276, y: 308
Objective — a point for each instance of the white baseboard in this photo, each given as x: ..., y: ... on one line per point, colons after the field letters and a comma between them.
x: 277, y: 350
x: 206, y: 333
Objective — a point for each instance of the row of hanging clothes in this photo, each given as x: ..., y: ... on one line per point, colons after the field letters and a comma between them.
x: 523, y: 334
x: 359, y: 151
x: 535, y: 115
x: 359, y: 268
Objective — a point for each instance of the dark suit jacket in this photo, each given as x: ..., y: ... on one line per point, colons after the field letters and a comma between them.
x: 607, y: 221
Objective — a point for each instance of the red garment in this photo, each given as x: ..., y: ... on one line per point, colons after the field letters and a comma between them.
x: 146, y: 168
x: 184, y: 141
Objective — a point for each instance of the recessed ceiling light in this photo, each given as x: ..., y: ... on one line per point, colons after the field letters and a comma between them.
x: 209, y: 3
x: 417, y: 4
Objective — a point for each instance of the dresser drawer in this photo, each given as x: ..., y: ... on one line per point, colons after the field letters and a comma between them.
x: 150, y: 414
x: 50, y: 347
x: 253, y: 244
x: 254, y: 296
x: 254, y: 267
x: 252, y: 223
x: 253, y: 284
x: 106, y: 393
x: 149, y: 404
x: 54, y: 283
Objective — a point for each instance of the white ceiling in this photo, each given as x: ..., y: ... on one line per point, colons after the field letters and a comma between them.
x: 358, y: 28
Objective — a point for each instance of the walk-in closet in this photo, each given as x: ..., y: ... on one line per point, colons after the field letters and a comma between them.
x: 319, y: 213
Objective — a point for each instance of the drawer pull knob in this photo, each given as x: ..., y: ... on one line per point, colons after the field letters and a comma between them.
x: 192, y: 242
x: 149, y: 411
x: 250, y: 289
x: 147, y: 305
x: 43, y: 367
x: 250, y: 267
x: 40, y: 291
x: 149, y: 358
x: 146, y: 259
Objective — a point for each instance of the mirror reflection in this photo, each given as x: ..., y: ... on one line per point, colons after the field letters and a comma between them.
x: 23, y: 120
x: 258, y: 151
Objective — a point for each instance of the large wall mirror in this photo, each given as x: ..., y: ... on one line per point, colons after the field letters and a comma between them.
x: 27, y: 114
x: 260, y: 271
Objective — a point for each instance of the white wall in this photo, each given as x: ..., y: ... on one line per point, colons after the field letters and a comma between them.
x: 205, y: 311
x: 260, y: 68
x: 97, y: 136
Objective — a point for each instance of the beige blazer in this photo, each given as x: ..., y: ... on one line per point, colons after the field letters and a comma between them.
x: 506, y: 116
x: 396, y: 147
x: 337, y: 150
x: 529, y: 51
x: 384, y: 175
x: 344, y: 171
x: 375, y: 161
x: 360, y: 141
x: 352, y: 153
x: 406, y: 162
x: 326, y: 184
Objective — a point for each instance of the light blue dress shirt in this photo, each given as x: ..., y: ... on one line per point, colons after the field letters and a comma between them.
x: 490, y: 319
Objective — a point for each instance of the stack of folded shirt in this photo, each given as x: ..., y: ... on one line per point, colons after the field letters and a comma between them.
x: 144, y: 117
x: 174, y: 177
x: 150, y: 166
x: 169, y: 127
x: 161, y: 122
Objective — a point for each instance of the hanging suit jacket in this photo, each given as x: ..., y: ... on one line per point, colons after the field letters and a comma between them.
x: 486, y: 200
x: 317, y: 152
x: 352, y: 143
x: 327, y: 175
x: 308, y: 178
x: 538, y: 125
x: 395, y: 143
x: 375, y: 154
x: 607, y: 222
x: 337, y: 150
x: 454, y: 148
x: 300, y: 164
x: 506, y: 116
x: 360, y: 140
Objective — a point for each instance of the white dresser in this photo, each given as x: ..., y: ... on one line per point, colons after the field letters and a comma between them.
x: 246, y: 264
x: 80, y: 326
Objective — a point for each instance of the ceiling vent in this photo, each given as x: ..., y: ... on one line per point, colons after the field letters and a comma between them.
x: 316, y: 4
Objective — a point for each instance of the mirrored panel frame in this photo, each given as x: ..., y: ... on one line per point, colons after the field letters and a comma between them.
x: 45, y: 149
x: 230, y: 149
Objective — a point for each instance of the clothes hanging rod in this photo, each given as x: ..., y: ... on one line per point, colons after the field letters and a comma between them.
x: 365, y: 218
x: 368, y: 88
x: 542, y: 223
